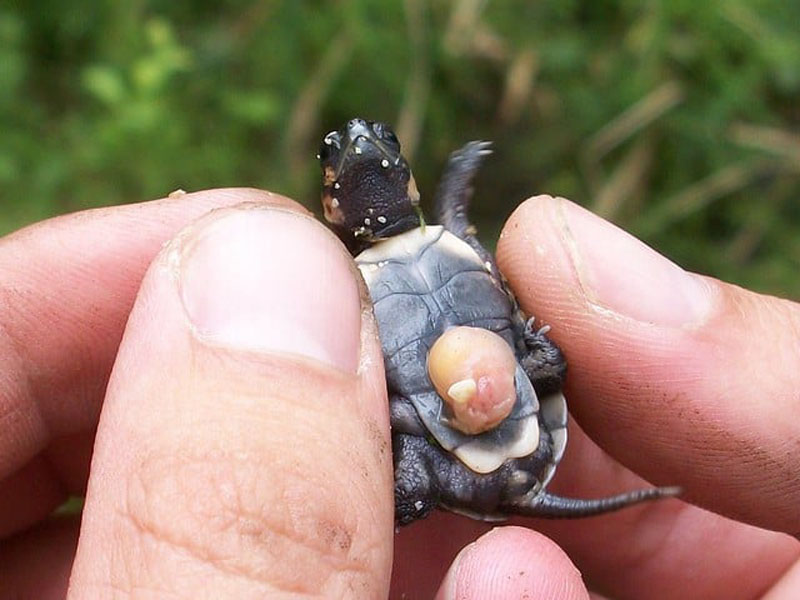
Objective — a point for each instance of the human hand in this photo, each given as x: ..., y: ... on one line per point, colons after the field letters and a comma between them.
x: 243, y: 446
x: 685, y: 380
x: 225, y: 468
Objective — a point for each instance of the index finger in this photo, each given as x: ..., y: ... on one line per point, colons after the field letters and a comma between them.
x: 66, y: 289
x: 684, y: 379
x: 662, y: 373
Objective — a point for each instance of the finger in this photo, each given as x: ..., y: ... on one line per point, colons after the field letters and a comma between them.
x: 46, y: 481
x: 424, y: 550
x: 67, y: 287
x: 36, y: 564
x: 788, y: 587
x: 428, y: 550
x: 243, y: 446
x: 685, y: 379
x: 512, y: 562
x: 652, y: 550
x: 666, y: 549
x: 661, y: 550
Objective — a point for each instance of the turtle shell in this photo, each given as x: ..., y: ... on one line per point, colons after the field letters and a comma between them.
x: 423, y: 282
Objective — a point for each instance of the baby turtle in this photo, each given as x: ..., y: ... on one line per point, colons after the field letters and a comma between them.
x: 477, y: 414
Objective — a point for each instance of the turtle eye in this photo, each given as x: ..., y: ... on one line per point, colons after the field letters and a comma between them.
x: 389, y: 135
x: 330, y: 145
x: 384, y: 132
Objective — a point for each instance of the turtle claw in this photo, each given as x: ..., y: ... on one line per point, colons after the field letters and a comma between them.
x: 531, y: 332
x: 543, y: 362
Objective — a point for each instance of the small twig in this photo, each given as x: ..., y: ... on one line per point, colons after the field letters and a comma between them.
x: 740, y: 15
x: 304, y: 116
x: 462, y: 25
x: 409, y: 121
x: 770, y: 139
x: 626, y: 180
x: 251, y: 19
x: 465, y: 34
x: 520, y: 76
x: 750, y: 236
x: 638, y: 116
x: 722, y: 183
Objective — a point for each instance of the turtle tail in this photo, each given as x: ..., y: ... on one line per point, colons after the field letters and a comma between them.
x: 557, y: 507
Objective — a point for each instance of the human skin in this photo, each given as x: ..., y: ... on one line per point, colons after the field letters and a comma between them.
x: 234, y: 381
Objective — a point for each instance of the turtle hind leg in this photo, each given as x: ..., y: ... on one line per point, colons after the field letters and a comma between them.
x: 557, y: 507
x: 454, y: 193
x: 455, y: 189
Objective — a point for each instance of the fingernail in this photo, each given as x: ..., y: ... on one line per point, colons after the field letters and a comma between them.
x: 622, y: 274
x: 271, y: 280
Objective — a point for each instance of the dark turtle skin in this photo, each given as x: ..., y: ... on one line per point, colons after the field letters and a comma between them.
x: 423, y: 280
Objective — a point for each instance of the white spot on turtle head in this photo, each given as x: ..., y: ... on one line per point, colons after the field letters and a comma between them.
x: 371, y: 210
x: 357, y: 150
x: 367, y: 221
x: 317, y: 156
x: 327, y: 140
x: 334, y: 203
x: 384, y: 163
x: 381, y: 219
x: 336, y: 185
x: 418, y: 505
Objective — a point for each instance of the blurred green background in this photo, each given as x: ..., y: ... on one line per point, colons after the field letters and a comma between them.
x: 678, y: 120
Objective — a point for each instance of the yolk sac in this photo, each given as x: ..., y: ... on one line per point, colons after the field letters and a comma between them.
x: 473, y: 371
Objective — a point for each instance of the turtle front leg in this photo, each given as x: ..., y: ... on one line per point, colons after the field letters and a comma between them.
x: 543, y: 362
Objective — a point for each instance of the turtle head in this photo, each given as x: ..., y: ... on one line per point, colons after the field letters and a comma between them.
x: 368, y: 191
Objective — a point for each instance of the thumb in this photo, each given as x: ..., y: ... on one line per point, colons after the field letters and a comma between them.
x: 243, y: 444
x: 512, y: 562
x: 685, y: 379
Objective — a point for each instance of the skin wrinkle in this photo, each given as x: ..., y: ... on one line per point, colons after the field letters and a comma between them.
x: 77, y: 358
x: 12, y: 413
x: 194, y: 553
x: 306, y: 415
x: 127, y: 591
x: 747, y: 452
x: 202, y: 554
x: 260, y: 527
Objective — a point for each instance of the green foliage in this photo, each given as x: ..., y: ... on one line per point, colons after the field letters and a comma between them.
x: 676, y: 119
